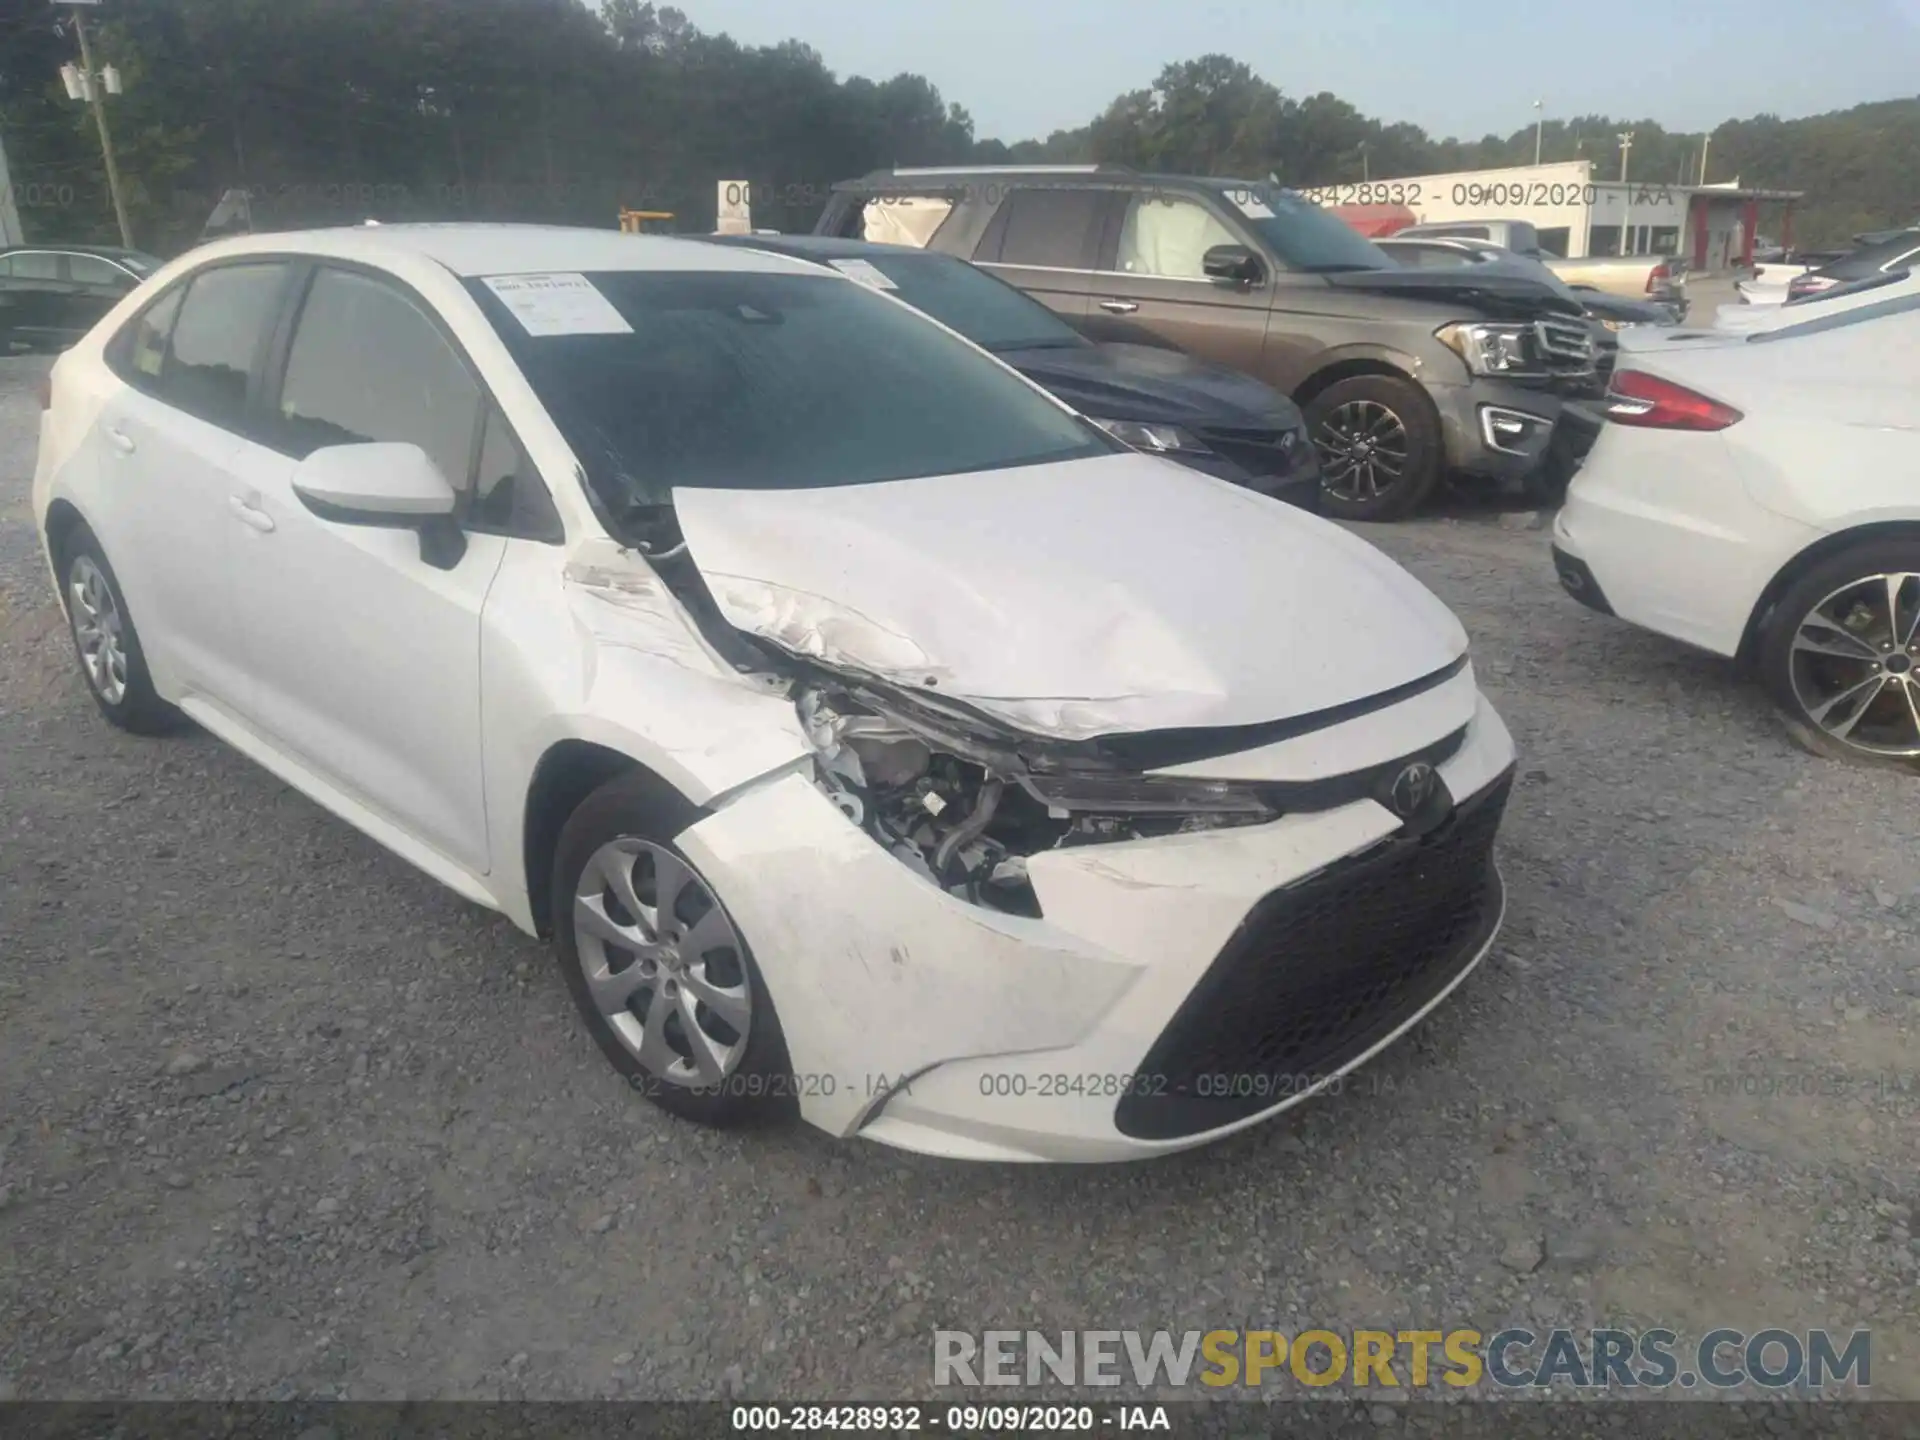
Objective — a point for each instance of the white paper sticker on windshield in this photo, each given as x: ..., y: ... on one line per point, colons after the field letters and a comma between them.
x: 1250, y: 205
x: 865, y: 271
x: 562, y: 304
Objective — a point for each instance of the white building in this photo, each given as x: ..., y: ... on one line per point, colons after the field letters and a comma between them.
x: 1711, y: 226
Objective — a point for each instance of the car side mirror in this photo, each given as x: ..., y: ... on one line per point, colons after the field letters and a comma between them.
x: 393, y: 486
x: 1232, y: 262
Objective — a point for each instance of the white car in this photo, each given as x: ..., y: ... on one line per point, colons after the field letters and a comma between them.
x: 1873, y: 290
x: 875, y: 737
x: 1754, y: 495
x: 1767, y: 287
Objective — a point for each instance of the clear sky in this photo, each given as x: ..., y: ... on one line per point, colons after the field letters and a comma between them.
x: 1455, y: 67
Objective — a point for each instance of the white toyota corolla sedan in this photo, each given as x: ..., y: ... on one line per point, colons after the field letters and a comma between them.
x: 873, y: 736
x: 1755, y: 494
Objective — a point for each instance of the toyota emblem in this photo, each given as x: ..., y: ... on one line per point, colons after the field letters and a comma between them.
x: 1412, y: 788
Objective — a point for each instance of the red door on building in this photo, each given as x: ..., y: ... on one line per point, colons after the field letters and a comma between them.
x: 1697, y: 212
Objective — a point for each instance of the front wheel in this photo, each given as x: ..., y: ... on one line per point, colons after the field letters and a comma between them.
x: 1379, y: 445
x: 1840, y: 652
x: 657, y: 967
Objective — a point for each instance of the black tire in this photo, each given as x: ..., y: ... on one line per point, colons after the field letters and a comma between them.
x: 758, y: 1087
x: 136, y: 708
x: 1797, y: 682
x: 1336, y: 415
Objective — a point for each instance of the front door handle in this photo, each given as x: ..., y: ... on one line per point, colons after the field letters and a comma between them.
x: 1118, y: 307
x: 250, y: 514
x: 120, y: 441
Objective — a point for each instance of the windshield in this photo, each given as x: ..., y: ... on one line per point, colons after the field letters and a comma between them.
x: 754, y: 381
x: 1302, y: 234
x: 989, y: 312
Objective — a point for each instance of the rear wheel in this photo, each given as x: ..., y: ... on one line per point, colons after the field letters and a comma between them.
x: 657, y: 967
x: 1379, y: 444
x: 1840, y: 653
x: 105, y: 642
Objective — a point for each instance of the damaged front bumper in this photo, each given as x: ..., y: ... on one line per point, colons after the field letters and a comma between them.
x: 924, y: 1020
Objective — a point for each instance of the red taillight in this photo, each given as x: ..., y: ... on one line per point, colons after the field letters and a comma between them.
x: 1660, y: 275
x: 43, y: 387
x: 1637, y: 398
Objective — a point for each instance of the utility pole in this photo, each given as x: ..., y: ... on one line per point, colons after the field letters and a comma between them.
x: 1539, y: 122
x: 1626, y: 219
x: 91, y: 82
x: 1705, y: 141
x: 11, y: 232
x: 1366, y: 172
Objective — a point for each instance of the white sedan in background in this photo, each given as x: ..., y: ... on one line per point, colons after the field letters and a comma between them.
x: 875, y: 737
x: 1756, y: 495
x: 1747, y: 319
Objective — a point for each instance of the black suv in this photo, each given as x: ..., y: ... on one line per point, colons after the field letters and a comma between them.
x: 1402, y: 373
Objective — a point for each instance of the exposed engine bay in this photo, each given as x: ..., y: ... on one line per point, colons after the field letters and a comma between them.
x: 960, y: 804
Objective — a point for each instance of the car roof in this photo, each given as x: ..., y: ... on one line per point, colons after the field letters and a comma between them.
x: 105, y: 252
x: 470, y: 250
x: 822, y: 248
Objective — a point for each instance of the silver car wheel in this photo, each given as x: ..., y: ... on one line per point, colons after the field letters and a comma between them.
x: 1852, y: 664
x: 98, y: 630
x: 663, y: 962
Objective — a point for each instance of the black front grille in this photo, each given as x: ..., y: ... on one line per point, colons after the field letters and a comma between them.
x: 1322, y: 971
x: 1261, y: 452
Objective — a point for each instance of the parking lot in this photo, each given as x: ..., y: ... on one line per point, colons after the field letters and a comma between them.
x: 283, y: 1117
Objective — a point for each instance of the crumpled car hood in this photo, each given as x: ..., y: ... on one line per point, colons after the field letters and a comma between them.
x: 1093, y: 597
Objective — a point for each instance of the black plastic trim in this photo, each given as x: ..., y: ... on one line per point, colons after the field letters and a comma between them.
x: 1577, y: 580
x: 1159, y: 749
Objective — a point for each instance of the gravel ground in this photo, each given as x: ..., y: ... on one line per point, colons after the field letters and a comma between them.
x: 281, y: 1117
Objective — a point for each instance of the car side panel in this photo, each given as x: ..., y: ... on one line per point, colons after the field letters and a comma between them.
x: 160, y: 511
x: 587, y: 644
x: 1676, y: 543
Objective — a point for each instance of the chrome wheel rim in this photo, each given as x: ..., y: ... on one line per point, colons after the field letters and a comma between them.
x: 99, y: 633
x: 663, y: 962
x: 1852, y: 664
x: 1363, y: 450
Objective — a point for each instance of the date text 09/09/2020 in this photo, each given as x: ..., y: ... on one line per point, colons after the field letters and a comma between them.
x: 947, y: 1419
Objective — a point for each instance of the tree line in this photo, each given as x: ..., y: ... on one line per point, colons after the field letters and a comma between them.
x: 334, y: 110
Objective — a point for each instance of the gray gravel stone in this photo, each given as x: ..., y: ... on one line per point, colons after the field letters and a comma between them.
x: 1807, y: 915
x: 1522, y: 1255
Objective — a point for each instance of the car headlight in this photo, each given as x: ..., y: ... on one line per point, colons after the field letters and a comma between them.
x: 1489, y: 349
x: 1155, y: 439
x: 1618, y: 324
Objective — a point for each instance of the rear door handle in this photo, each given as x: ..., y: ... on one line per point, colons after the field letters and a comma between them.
x: 120, y: 440
x: 1118, y: 307
x: 250, y: 514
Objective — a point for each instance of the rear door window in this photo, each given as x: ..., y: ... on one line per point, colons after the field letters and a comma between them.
x: 1050, y: 228
x: 92, y: 271
x: 216, y: 341
x: 145, y: 352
